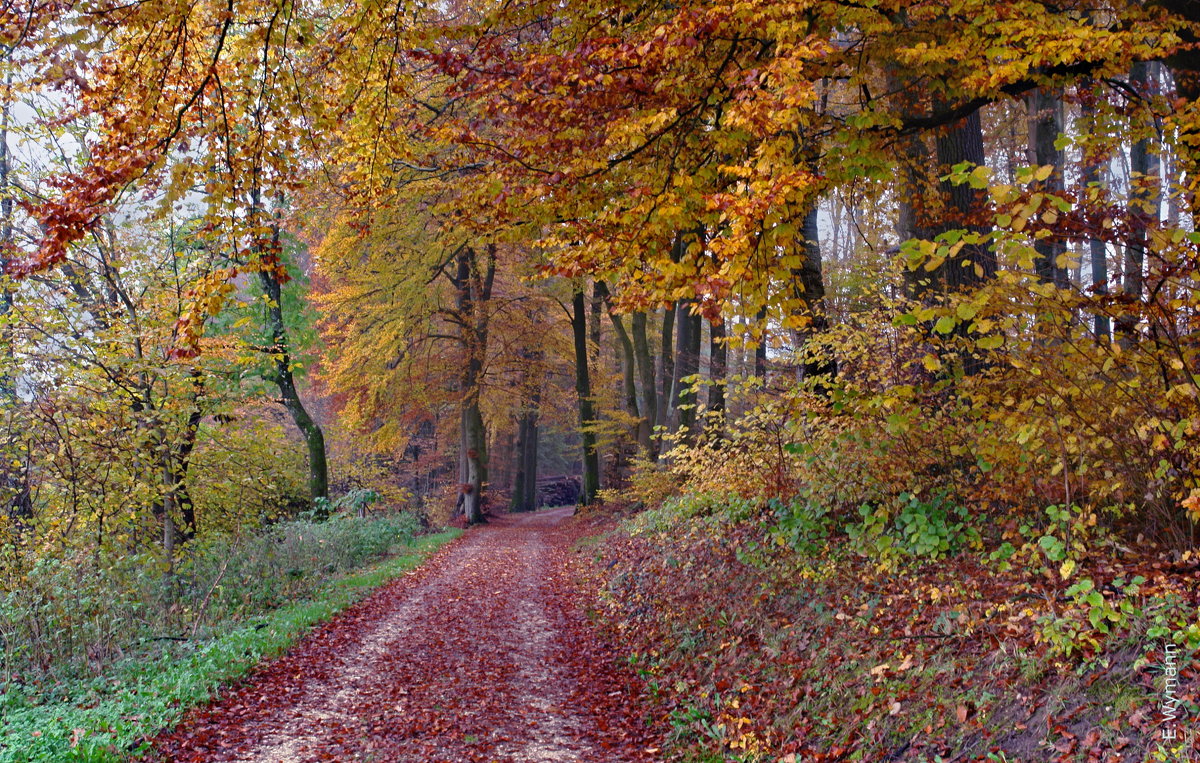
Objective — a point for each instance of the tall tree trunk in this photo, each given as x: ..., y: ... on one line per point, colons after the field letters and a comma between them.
x: 15, y: 495
x: 810, y: 289
x: 473, y: 440
x: 168, y: 517
x: 1045, y: 124
x: 1143, y: 209
x: 912, y: 186
x: 595, y: 332
x: 687, y: 364
x: 474, y: 291
x: 529, y: 453
x: 183, y: 460
x: 518, y: 484
x: 975, y: 263
x: 628, y: 363
x: 645, y: 364
x: 524, y: 494
x: 270, y: 265
x: 666, y: 367
x: 760, y: 349
x: 1096, y: 247
x: 718, y: 353
x: 583, y: 389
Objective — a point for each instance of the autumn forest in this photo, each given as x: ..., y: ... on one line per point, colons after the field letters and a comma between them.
x: 863, y: 336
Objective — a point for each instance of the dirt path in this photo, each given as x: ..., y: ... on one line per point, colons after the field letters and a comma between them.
x: 481, y: 654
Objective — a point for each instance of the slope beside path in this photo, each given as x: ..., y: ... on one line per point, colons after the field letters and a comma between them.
x: 481, y: 654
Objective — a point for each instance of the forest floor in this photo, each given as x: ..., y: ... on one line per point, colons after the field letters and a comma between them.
x: 484, y: 653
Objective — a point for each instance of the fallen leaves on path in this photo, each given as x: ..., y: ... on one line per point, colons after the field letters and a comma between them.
x: 481, y: 654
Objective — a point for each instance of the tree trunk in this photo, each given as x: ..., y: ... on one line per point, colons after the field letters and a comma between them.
x: 975, y: 263
x: 474, y: 291
x: 15, y: 495
x: 810, y: 285
x: 760, y: 349
x: 529, y: 453
x: 583, y: 389
x: 1097, y: 250
x: 270, y: 264
x: 518, y: 484
x: 718, y: 354
x: 666, y: 368
x: 595, y: 332
x: 645, y: 364
x: 1045, y: 125
x: 1143, y: 209
x: 524, y: 493
x: 168, y: 518
x: 912, y: 186
x: 474, y: 445
x: 183, y: 460
x: 628, y: 380
x: 687, y: 364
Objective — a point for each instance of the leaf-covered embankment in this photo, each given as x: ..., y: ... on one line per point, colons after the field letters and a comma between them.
x: 764, y: 642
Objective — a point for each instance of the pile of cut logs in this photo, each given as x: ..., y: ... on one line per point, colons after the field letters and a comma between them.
x: 559, y: 491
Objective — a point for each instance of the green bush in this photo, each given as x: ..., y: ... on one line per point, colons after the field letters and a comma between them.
x: 920, y: 528
x: 719, y: 508
x: 801, y: 525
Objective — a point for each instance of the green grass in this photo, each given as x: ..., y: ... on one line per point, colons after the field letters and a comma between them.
x: 109, y: 718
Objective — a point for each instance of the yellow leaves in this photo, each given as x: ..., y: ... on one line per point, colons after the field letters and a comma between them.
x: 1025, y: 212
x: 797, y: 321
x: 1066, y: 569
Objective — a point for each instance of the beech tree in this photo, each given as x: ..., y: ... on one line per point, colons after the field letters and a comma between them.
x: 680, y: 154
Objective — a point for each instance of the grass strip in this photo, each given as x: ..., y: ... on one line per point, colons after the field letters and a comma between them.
x: 109, y: 718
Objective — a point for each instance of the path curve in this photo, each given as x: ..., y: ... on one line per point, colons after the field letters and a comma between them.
x: 481, y: 654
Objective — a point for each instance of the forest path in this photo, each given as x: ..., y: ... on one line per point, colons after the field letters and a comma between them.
x: 481, y: 654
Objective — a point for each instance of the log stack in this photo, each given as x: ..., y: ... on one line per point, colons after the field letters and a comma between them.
x: 559, y: 491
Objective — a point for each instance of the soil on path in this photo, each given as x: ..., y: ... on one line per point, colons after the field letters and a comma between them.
x: 481, y: 654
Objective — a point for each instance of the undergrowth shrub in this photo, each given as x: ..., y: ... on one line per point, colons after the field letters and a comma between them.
x: 929, y: 528
x: 650, y: 483
x: 230, y: 498
x: 800, y: 524
x: 69, y: 616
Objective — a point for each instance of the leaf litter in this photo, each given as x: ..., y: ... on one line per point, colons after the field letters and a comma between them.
x: 482, y: 654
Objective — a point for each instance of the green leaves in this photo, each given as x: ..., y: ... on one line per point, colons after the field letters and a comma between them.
x: 945, y: 324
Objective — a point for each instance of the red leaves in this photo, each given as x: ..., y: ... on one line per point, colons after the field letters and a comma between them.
x: 87, y: 195
x: 482, y: 654
x: 835, y: 676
